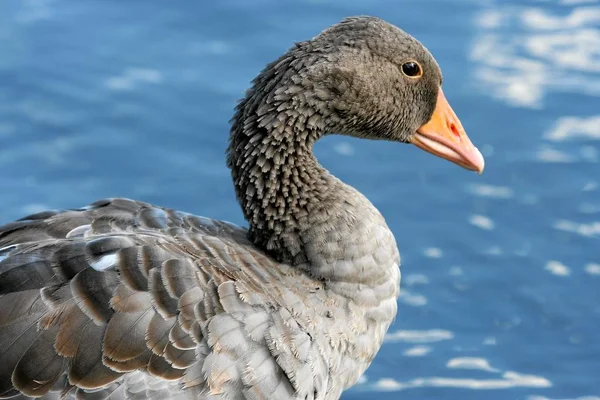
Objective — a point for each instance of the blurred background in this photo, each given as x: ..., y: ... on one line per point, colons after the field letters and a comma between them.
x: 501, y: 272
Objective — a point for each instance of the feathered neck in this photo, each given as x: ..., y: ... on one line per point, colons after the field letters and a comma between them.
x: 277, y: 179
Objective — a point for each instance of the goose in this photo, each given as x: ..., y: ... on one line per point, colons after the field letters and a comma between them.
x: 122, y: 299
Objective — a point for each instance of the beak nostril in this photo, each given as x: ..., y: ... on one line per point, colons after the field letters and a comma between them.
x: 454, y: 130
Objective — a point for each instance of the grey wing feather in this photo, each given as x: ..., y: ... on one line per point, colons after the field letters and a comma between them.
x: 122, y: 299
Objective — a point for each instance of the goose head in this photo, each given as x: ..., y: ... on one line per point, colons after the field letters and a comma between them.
x: 371, y: 79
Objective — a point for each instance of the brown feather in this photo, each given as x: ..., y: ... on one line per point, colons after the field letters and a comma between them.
x: 159, y: 367
x: 17, y: 305
x: 21, y: 272
x: 179, y: 359
x: 70, y: 259
x: 180, y: 338
x: 164, y: 304
x: 139, y: 362
x: 178, y: 276
x: 92, y: 291
x: 40, y: 367
x: 153, y: 257
x: 129, y: 263
x: 70, y: 332
x: 188, y: 301
x: 157, y: 334
x: 56, y: 295
x: 17, y: 339
x: 126, y: 300
x: 152, y: 217
x: 125, y: 335
x: 87, y: 370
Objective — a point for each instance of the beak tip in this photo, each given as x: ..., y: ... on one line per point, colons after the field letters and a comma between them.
x: 480, y: 161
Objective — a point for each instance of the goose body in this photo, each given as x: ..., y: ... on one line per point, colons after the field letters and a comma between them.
x: 123, y: 299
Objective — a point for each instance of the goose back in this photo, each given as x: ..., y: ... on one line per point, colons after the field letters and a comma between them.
x: 123, y: 299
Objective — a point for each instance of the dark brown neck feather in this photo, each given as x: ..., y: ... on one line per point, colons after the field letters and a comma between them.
x: 278, y: 181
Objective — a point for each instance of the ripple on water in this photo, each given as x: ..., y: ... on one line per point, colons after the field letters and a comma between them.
x: 570, y: 398
x: 7, y: 130
x: 557, y: 268
x: 490, y: 341
x: 583, y: 229
x: 344, y: 148
x: 539, y: 53
x: 568, y: 128
x: 507, y: 380
x: 415, y: 336
x: 132, y: 77
x: 551, y: 155
x: 481, y: 221
x: 417, y: 351
x: 415, y: 279
x: 412, y: 299
x: 433, y: 252
x: 593, y: 269
x: 570, y: 2
x: 588, y: 208
x: 494, y: 251
x: 33, y: 11
x: 492, y: 191
x: 470, y: 363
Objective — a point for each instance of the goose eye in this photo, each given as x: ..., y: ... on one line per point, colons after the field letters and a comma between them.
x: 412, y: 69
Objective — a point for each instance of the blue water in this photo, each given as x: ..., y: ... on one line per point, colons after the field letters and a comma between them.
x: 501, y: 272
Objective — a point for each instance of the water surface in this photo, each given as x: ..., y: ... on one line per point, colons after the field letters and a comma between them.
x: 501, y: 272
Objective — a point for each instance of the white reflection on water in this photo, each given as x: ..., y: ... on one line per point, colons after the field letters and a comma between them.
x: 470, y: 363
x: 344, y: 148
x: 433, y: 252
x: 538, y: 19
x: 507, y: 380
x: 498, y: 379
x: 570, y: 398
x: 557, y: 268
x: 417, y: 351
x: 496, y: 192
x: 409, y: 336
x: 567, y: 128
x: 132, y: 77
x: 568, y: 2
x: 551, y: 155
x: 481, y: 221
x: 412, y: 299
x: 494, y: 251
x: 415, y: 279
x: 583, y: 229
x: 524, y: 52
x: 593, y: 269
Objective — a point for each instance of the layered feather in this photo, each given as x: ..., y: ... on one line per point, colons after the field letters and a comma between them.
x: 92, y: 298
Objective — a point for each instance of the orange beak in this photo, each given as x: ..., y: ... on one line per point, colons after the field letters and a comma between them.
x: 445, y: 137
